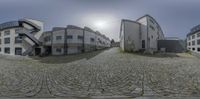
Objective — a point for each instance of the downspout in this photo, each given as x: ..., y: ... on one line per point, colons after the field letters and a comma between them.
x: 65, y: 43
x: 147, y: 34
x: 83, y: 44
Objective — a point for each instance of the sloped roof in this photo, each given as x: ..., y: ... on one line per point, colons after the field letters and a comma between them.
x: 73, y: 27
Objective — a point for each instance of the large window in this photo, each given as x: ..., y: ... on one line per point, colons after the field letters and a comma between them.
x: 189, y: 43
x: 152, y: 21
x: 58, y: 50
x: 152, y: 27
x: 92, y: 39
x: 18, y: 39
x: 198, y: 49
x: 7, y: 32
x: 17, y: 30
x: 7, y: 40
x: 198, y: 42
x: 7, y: 50
x: 69, y: 37
x: 193, y: 42
x: 193, y: 36
x: 189, y: 38
x: 198, y: 35
x: 143, y: 43
x: 18, y: 51
x: 47, y: 38
x: 58, y: 37
x: 80, y: 37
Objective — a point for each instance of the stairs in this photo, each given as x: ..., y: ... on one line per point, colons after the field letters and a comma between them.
x: 28, y: 51
x: 30, y: 35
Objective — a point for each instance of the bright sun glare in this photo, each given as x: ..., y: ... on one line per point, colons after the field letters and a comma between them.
x: 100, y: 24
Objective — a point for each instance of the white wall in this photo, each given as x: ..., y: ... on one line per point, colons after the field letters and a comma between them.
x: 58, y: 43
x: 12, y: 45
x: 75, y: 33
x: 196, y: 46
x: 132, y: 40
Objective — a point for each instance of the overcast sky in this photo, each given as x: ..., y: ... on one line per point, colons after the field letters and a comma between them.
x: 176, y: 17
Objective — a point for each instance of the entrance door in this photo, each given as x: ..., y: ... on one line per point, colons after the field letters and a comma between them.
x: 37, y: 51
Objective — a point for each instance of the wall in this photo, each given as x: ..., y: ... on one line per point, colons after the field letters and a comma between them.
x: 132, y: 36
x: 58, y: 43
x: 75, y: 45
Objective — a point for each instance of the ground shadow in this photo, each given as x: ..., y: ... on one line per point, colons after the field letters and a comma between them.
x: 66, y: 58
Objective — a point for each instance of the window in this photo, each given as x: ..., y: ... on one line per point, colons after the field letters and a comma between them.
x: 143, y: 43
x: 0, y: 34
x: 198, y: 35
x: 198, y: 42
x: 193, y: 36
x: 17, y: 30
x: 193, y: 49
x: 6, y: 40
x: 198, y: 49
x: 152, y: 36
x: 152, y: 27
x: 69, y: 37
x: 18, y: 51
x: 0, y: 41
x: 80, y: 37
x: 189, y: 38
x: 0, y: 49
x: 193, y: 42
x: 18, y: 39
x: 189, y: 43
x: 58, y: 37
x: 152, y: 21
x: 59, y: 50
x: 6, y: 32
x: 47, y: 38
x: 92, y: 39
x: 7, y: 50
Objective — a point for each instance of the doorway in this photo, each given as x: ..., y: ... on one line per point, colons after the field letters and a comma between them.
x: 37, y: 51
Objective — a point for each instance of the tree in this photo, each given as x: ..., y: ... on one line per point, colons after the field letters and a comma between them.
x: 112, y: 41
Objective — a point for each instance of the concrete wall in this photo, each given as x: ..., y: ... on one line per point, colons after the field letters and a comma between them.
x: 75, y: 45
x: 12, y: 45
x: 172, y: 45
x: 88, y: 44
x: 58, y: 44
x: 132, y: 41
x: 133, y: 33
x: 196, y: 46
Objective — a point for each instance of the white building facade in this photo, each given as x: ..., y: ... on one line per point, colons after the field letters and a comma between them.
x: 73, y: 40
x: 142, y: 34
x: 193, y: 39
x: 21, y: 37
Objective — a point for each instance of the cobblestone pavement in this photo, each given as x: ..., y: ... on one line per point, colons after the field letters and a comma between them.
x: 110, y: 73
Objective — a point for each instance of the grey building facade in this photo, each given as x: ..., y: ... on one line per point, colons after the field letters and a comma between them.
x: 142, y: 34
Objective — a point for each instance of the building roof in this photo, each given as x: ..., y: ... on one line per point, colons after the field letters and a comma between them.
x: 58, y: 28
x: 73, y: 27
x: 127, y: 20
x: 147, y: 15
x: 8, y: 25
x: 172, y: 38
x: 89, y: 29
x: 194, y: 30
